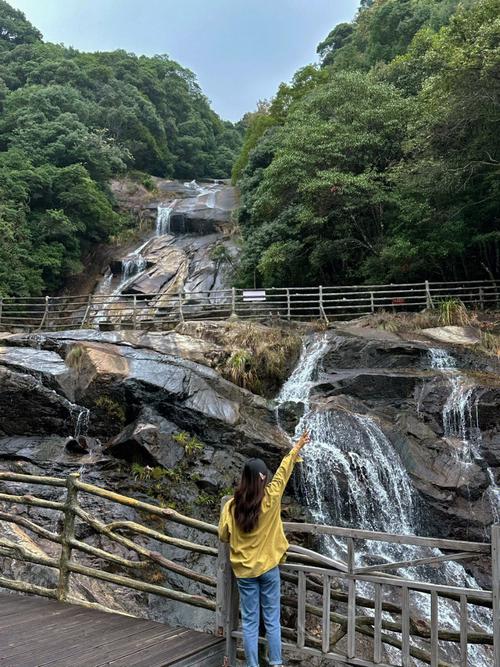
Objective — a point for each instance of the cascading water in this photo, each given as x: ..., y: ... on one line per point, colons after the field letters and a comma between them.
x: 82, y: 419
x: 132, y: 265
x: 353, y: 477
x: 461, y: 420
x: 163, y: 218
x: 211, y: 198
x: 193, y: 185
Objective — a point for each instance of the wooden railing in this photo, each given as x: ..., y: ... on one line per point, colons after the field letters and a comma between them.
x: 117, y: 532
x: 164, y: 310
x: 329, y: 605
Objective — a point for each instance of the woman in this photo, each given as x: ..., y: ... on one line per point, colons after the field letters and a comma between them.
x: 251, y: 523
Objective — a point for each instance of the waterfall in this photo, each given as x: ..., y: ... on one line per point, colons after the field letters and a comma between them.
x: 353, y: 477
x: 351, y: 474
x: 193, y: 185
x: 132, y: 265
x: 461, y: 420
x: 82, y: 420
x: 163, y: 218
x: 460, y: 417
x: 211, y: 198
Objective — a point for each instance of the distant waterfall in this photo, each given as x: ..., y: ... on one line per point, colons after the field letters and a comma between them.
x: 132, y: 265
x: 460, y: 418
x: 163, y: 218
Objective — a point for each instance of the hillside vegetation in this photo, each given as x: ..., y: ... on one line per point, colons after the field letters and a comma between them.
x: 382, y: 163
x: 71, y: 120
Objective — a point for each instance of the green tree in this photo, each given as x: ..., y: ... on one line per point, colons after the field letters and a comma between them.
x: 14, y: 28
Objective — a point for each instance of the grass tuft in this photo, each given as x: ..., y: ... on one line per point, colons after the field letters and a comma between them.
x: 453, y: 312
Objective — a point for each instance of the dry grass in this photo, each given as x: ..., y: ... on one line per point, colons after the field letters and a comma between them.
x: 76, y: 358
x: 453, y: 312
x: 449, y: 312
x: 490, y: 343
x: 260, y: 356
x: 404, y: 322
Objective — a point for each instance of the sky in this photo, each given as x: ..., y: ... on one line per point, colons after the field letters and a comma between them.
x: 240, y: 50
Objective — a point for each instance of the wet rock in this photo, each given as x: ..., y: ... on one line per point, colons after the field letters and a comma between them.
x: 372, y: 386
x: 358, y: 352
x: 40, y: 363
x: 149, y: 441
x: 28, y: 407
x: 79, y: 445
x: 289, y: 415
x: 167, y: 270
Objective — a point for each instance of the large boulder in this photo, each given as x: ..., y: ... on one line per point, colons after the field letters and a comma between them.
x: 27, y: 407
x: 348, y: 351
x: 39, y: 363
x: 149, y: 441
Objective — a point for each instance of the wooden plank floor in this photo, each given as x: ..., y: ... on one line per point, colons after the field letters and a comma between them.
x: 37, y: 632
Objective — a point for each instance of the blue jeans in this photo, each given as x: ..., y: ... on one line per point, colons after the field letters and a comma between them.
x: 256, y: 593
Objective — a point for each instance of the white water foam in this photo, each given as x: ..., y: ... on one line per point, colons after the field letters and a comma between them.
x: 163, y: 218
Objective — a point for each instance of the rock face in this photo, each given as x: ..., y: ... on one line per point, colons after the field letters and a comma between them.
x: 147, y: 415
x: 440, y: 415
x: 192, y: 250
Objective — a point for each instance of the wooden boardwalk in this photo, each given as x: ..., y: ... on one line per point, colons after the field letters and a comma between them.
x: 35, y: 632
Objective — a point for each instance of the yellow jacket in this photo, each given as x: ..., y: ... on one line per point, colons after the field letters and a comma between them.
x: 254, y: 553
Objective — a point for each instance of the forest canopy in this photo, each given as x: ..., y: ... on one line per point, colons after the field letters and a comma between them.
x: 382, y: 163
x: 69, y: 121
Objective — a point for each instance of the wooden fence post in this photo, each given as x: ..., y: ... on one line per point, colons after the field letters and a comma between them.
x: 495, y: 583
x: 321, y: 305
x: 372, y: 302
x: 233, y: 303
x: 181, y: 312
x: 45, y: 316
x: 87, y: 311
x: 226, y: 614
x: 481, y: 298
x: 68, y: 534
x: 288, y: 304
x: 351, y: 600
x: 134, y: 313
x: 428, y: 295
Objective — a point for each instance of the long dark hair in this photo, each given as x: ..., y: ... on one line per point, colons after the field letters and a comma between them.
x: 249, y: 494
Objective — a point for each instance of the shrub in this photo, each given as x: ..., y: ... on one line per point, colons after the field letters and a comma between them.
x: 75, y: 357
x: 111, y: 408
x: 490, y: 343
x: 262, y: 357
x: 240, y: 369
x: 453, y: 312
x: 190, y: 444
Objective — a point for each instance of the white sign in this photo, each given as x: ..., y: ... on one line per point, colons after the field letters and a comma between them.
x: 254, y: 295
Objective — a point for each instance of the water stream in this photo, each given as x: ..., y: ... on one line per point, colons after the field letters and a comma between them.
x: 353, y: 477
x: 81, y: 421
x: 461, y: 421
x: 163, y: 218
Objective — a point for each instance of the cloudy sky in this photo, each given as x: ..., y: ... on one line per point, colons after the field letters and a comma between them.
x: 240, y: 49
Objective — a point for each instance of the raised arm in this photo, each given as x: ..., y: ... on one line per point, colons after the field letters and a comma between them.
x: 282, y: 475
